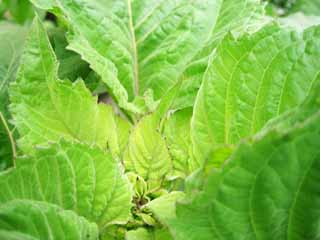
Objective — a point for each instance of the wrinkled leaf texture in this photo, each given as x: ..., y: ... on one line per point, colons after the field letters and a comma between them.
x: 250, y: 81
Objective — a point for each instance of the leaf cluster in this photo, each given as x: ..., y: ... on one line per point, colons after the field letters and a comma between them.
x: 159, y: 120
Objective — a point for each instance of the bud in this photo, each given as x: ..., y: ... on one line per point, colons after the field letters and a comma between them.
x: 139, y: 185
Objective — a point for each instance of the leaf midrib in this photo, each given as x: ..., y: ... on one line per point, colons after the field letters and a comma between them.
x: 134, y: 49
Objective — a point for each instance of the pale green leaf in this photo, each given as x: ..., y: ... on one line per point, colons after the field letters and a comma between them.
x: 32, y: 220
x: 144, y: 234
x: 139, y: 234
x: 191, y: 81
x: 123, y: 132
x: 147, y: 153
x: 112, y: 232
x: 165, y: 104
x: 250, y: 81
x: 267, y: 190
x: 45, y: 108
x: 164, y: 207
x: 177, y: 134
x: 74, y: 176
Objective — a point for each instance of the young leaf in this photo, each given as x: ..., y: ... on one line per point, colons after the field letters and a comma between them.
x: 164, y: 207
x: 32, y: 220
x: 144, y: 234
x: 74, y: 176
x: 123, y: 131
x: 268, y: 189
x: 147, y: 153
x: 177, y: 134
x: 139, y: 234
x: 45, y: 108
x: 250, y: 81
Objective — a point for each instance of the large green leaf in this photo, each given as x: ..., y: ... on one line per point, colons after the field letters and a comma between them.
x: 12, y: 38
x: 249, y: 18
x: 7, y: 145
x: 250, y: 81
x: 32, y: 220
x: 137, y: 45
x: 47, y: 109
x: 74, y: 176
x: 268, y: 189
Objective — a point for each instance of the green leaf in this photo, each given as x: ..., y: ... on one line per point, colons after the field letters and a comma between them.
x: 144, y: 234
x: 74, y: 176
x: 12, y: 39
x: 144, y: 44
x: 123, y: 131
x: 237, y: 17
x: 47, y: 109
x: 147, y: 153
x: 113, y: 232
x: 31, y: 220
x: 250, y: 81
x: 164, y: 207
x: 12, y: 235
x: 177, y: 134
x: 139, y: 234
x: 268, y: 188
x: 308, y: 7
x: 165, y: 104
x: 7, y: 145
